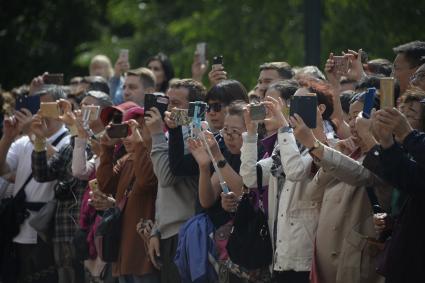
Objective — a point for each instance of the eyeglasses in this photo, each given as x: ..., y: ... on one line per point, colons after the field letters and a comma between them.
x: 216, y: 107
x: 230, y: 133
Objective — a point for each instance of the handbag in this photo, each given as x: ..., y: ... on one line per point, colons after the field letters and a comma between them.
x: 42, y: 221
x: 108, y: 233
x: 250, y: 244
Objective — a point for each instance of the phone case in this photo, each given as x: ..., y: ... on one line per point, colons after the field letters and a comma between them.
x: 93, y: 184
x: 386, y: 92
x: 368, y: 102
x: 180, y: 117
x: 201, y: 48
x: 306, y: 107
x: 341, y: 64
x: 217, y: 62
x: 53, y: 79
x: 124, y: 54
x: 118, y: 131
x: 32, y: 103
x: 50, y: 110
x: 202, y: 109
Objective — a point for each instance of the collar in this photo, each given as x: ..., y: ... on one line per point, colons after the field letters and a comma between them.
x: 57, y: 134
x: 268, y: 143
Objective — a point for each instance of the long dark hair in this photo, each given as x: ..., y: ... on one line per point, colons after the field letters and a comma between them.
x: 166, y: 66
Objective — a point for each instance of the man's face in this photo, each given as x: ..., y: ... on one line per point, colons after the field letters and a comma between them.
x: 266, y: 78
x: 403, y: 71
x: 179, y: 98
x: 134, y: 90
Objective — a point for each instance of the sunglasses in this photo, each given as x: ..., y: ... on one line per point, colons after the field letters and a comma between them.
x: 216, y: 107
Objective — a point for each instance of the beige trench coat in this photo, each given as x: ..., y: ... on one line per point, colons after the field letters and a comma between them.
x: 343, y: 252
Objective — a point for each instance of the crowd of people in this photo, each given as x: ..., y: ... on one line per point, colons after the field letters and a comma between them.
x: 226, y: 185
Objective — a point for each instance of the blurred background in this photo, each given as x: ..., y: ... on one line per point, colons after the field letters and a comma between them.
x: 61, y: 36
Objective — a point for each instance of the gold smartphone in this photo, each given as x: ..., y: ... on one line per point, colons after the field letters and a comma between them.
x: 386, y: 92
x: 93, y: 185
x: 50, y: 110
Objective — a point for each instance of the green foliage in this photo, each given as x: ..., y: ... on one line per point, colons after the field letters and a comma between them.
x: 62, y: 36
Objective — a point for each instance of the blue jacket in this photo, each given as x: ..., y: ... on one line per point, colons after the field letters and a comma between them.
x: 193, y: 249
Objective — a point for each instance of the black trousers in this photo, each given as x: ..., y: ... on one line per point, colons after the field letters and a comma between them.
x: 292, y: 277
x: 169, y: 271
x: 34, y: 263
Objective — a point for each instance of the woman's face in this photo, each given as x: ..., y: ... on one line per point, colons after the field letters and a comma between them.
x: 99, y: 69
x: 234, y: 126
x: 413, y: 112
x: 156, y: 67
x: 216, y: 114
x: 271, y: 124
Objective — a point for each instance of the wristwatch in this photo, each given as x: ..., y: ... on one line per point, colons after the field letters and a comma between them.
x: 221, y: 163
x: 316, y: 145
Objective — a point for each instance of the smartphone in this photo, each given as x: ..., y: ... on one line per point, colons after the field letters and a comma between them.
x: 124, y: 55
x: 93, y: 185
x: 180, y: 116
x: 32, y: 103
x: 257, y: 112
x: 53, y: 79
x: 386, y: 92
x: 50, y: 110
x: 368, y: 102
x: 118, y: 131
x: 217, y: 62
x: 158, y: 260
x: 202, y: 108
x: 158, y: 101
x: 341, y: 64
x: 90, y: 112
x: 201, y: 49
x: 306, y: 107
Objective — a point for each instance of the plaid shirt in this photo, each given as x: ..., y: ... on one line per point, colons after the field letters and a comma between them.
x: 58, y: 167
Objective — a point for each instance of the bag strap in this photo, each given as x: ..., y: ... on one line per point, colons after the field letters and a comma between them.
x: 373, y: 199
x: 260, y: 187
x: 123, y: 202
x: 54, y: 143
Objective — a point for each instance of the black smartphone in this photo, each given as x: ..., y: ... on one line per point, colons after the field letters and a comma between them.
x: 257, y: 112
x: 217, y: 62
x: 202, y: 108
x: 306, y: 107
x: 158, y: 101
x: 53, y: 79
x: 118, y: 131
x: 32, y: 103
x: 158, y: 260
x: 368, y: 102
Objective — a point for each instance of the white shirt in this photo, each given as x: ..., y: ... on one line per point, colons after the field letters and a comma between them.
x: 19, y: 160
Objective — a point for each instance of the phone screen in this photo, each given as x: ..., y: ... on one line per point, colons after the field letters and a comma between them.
x: 306, y: 107
x: 118, y: 131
